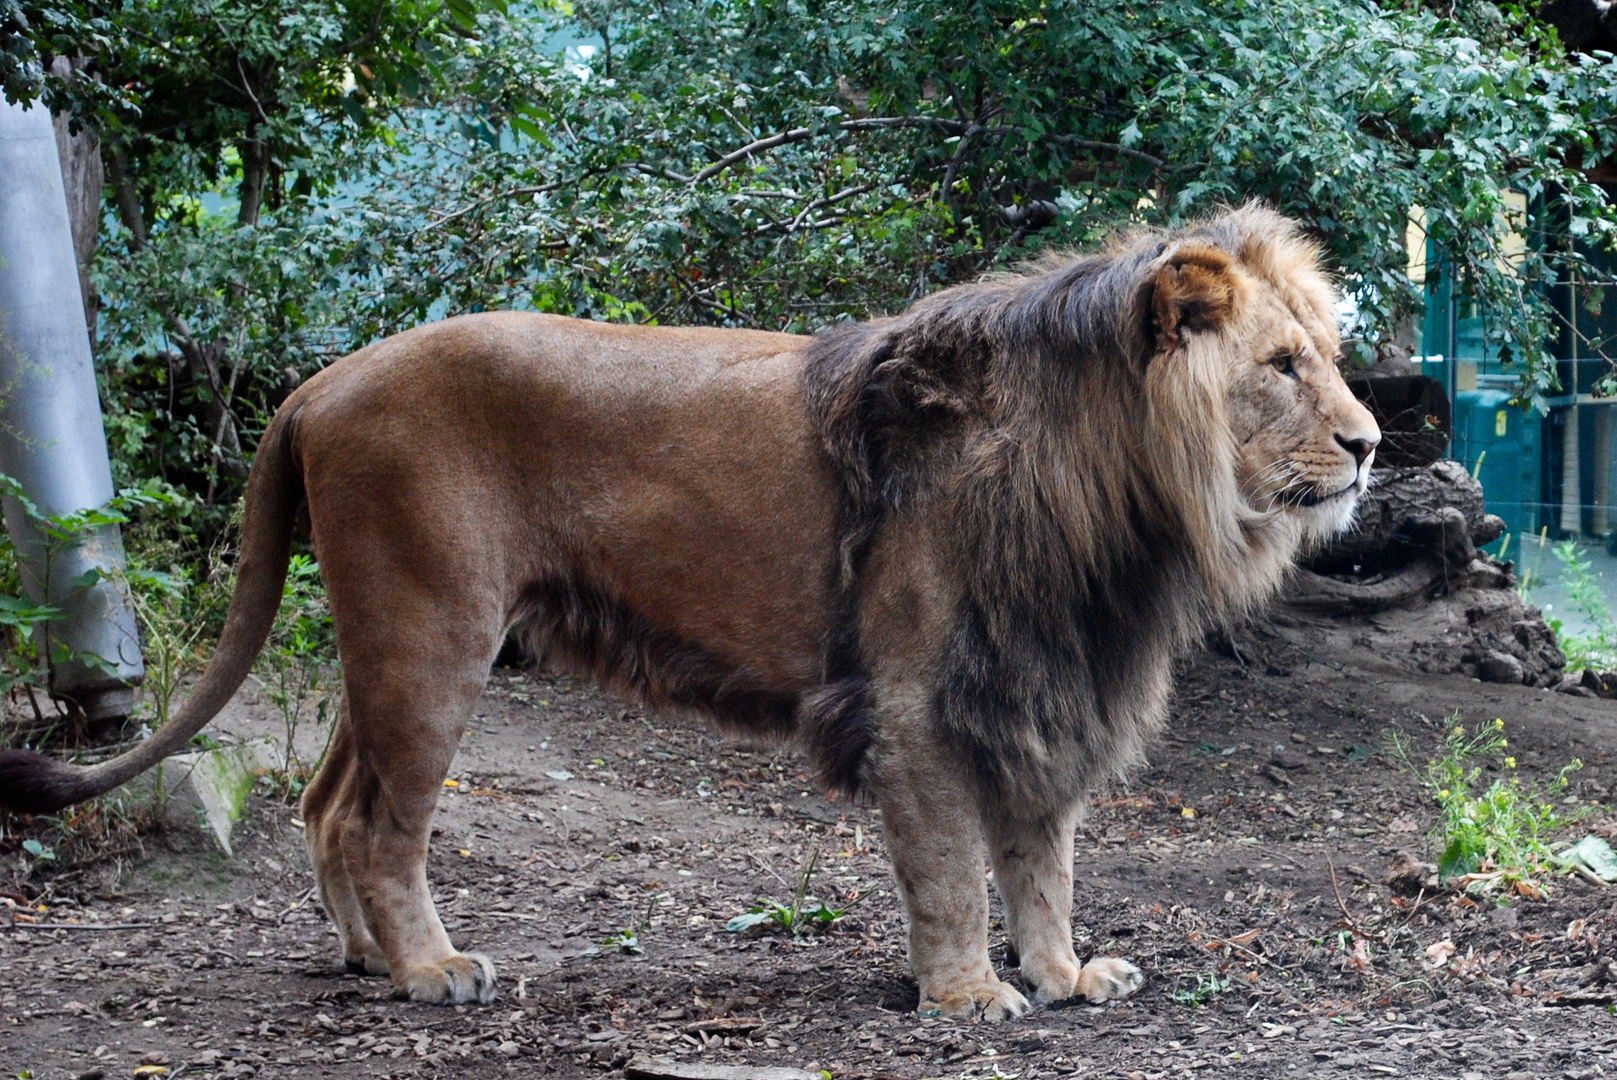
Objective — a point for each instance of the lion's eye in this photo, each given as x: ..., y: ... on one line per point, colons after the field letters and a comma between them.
x: 1285, y: 362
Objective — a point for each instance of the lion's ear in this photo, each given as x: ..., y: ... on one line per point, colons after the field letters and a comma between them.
x: 1197, y: 289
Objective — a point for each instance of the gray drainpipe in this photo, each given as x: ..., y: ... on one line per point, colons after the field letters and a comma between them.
x: 51, y: 436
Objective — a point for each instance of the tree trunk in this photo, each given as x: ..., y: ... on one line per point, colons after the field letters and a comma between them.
x: 254, y: 167
x: 126, y: 197
x: 82, y: 176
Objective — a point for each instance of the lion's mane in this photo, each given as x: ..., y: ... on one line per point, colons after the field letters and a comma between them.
x: 1089, y: 485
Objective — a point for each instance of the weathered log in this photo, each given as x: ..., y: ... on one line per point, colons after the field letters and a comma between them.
x: 1416, y: 543
x: 1409, y: 512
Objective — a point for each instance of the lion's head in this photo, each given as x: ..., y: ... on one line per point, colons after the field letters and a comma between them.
x: 1244, y: 319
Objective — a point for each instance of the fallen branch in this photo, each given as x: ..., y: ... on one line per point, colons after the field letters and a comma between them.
x: 21, y: 925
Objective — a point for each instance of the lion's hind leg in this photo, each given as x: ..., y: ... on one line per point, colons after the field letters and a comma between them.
x: 415, y: 657
x: 406, y: 729
x: 326, y: 805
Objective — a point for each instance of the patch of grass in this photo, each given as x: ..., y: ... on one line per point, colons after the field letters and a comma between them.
x: 1498, y: 834
x: 1206, y: 987
x: 298, y: 671
x: 1597, y: 649
x: 794, y: 918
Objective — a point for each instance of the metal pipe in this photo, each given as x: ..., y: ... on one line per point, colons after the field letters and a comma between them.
x: 51, y: 436
x: 1600, y: 522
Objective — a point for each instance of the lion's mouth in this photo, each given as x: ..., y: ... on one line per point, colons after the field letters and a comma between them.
x: 1315, y: 497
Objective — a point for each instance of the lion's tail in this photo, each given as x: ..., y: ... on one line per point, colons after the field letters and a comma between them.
x: 30, y: 783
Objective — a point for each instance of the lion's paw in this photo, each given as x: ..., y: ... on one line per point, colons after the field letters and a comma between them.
x: 1108, y: 979
x: 366, y: 964
x: 992, y: 1000
x: 459, y: 980
x: 1052, y: 978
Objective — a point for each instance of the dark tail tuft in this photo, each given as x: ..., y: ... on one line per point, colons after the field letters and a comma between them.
x: 838, y: 729
x: 30, y: 784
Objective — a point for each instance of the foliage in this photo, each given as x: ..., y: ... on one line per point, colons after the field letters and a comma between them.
x: 1498, y: 836
x: 1206, y: 987
x: 28, y: 651
x: 793, y: 918
x: 799, y: 166
x: 1596, y: 650
x: 297, y: 668
x: 179, y: 607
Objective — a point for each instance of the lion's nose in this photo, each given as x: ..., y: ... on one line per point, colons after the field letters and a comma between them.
x: 1359, y: 448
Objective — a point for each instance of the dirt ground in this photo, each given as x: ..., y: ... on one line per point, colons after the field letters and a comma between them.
x: 576, y: 819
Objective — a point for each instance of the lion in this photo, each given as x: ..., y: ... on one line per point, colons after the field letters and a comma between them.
x: 952, y: 552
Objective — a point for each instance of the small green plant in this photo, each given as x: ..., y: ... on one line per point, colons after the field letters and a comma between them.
x: 1598, y: 648
x: 296, y: 668
x: 1531, y: 577
x: 1499, y: 835
x: 1206, y: 987
x: 627, y: 941
x: 794, y: 918
x: 38, y: 851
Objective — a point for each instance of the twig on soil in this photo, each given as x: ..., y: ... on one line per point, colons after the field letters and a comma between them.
x: 299, y: 902
x: 17, y: 925
x: 1214, y: 943
x: 1420, y: 899
x: 1348, y: 920
x: 761, y: 864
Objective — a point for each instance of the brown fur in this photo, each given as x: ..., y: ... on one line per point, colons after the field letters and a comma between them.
x: 954, y: 552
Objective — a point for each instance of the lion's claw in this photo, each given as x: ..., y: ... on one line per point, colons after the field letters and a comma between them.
x: 993, y: 1001
x: 462, y: 979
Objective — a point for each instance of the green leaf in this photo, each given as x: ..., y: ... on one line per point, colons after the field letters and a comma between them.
x: 1457, y: 860
x: 748, y: 921
x: 1594, y: 855
x: 38, y: 850
x: 86, y: 579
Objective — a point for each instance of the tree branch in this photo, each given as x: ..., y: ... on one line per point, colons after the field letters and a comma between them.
x: 480, y: 203
x: 1116, y: 149
x: 874, y: 123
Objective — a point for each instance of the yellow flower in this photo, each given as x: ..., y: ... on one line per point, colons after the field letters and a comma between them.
x: 1510, y: 763
x: 1458, y: 731
x: 1504, y: 742
x: 1498, y: 724
x: 1443, y: 794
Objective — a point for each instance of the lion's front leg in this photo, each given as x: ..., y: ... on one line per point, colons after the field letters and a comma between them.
x: 1032, y: 861
x: 931, y: 820
x: 1032, y: 857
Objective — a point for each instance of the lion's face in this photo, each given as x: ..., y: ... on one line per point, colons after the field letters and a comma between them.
x: 1305, y: 444
x: 1264, y: 322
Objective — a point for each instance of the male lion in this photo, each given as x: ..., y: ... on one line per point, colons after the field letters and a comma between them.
x: 954, y: 552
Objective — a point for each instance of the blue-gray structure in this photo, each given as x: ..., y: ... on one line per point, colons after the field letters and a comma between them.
x: 1552, y: 475
x: 51, y: 436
